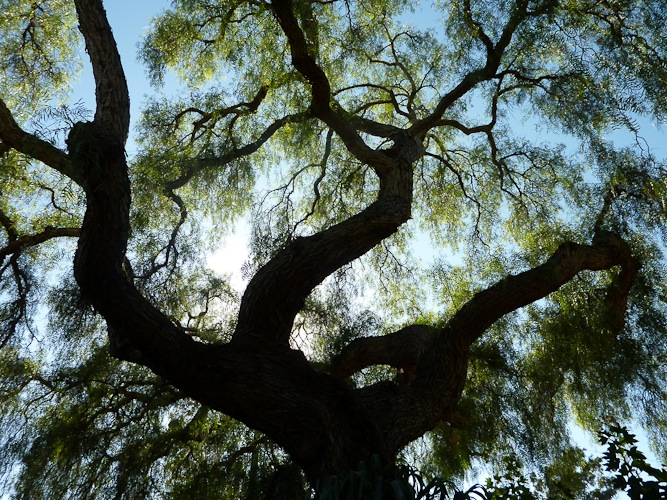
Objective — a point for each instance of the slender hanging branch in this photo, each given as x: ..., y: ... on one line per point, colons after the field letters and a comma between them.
x: 494, y: 55
x: 203, y: 163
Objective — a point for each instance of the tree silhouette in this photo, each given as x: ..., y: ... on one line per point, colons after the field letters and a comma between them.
x: 348, y: 136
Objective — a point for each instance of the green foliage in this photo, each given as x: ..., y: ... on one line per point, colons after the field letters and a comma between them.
x: 571, y: 476
x: 100, y: 430
x: 625, y: 470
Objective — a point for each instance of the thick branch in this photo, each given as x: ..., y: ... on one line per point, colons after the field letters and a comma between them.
x: 270, y: 388
x: 486, y: 307
x: 278, y: 290
x: 400, y: 349
x: 19, y: 243
x: 374, y: 128
x: 305, y: 64
x: 111, y: 95
x: 15, y: 137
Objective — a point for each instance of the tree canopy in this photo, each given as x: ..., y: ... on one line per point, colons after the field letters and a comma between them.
x: 457, y: 244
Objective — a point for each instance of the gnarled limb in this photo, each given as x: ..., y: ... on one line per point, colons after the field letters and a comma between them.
x: 405, y: 413
x: 277, y: 291
x: 401, y: 349
x: 316, y: 418
x: 97, y: 149
x: 608, y: 250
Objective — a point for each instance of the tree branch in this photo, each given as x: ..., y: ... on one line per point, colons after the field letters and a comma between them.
x: 239, y: 109
x: 494, y: 54
x: 485, y: 308
x: 111, y: 95
x: 259, y: 384
x: 406, y: 412
x: 202, y: 163
x: 374, y: 128
x: 305, y: 64
x: 401, y: 349
x: 17, y: 244
x: 476, y: 25
x: 13, y: 136
x: 278, y: 290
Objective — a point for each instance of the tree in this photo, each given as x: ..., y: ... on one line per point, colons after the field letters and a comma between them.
x: 350, y: 132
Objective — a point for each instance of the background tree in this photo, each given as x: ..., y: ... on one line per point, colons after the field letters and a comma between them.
x: 349, y: 134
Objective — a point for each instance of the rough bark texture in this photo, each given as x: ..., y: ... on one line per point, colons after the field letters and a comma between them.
x: 326, y: 425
